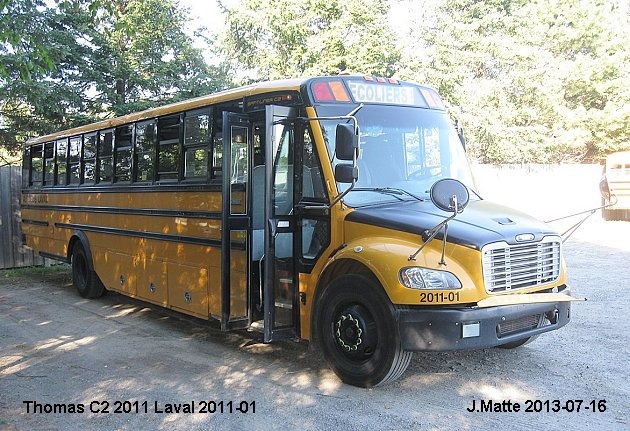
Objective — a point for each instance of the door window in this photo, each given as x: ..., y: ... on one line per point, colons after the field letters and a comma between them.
x: 283, y: 173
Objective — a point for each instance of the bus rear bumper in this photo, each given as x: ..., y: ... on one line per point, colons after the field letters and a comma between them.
x: 429, y: 329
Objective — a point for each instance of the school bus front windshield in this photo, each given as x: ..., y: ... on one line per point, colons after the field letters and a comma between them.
x: 404, y: 149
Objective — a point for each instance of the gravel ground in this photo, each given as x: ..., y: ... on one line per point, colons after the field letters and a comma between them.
x: 57, y: 348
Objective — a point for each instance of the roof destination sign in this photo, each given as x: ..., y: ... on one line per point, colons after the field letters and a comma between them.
x: 371, y: 92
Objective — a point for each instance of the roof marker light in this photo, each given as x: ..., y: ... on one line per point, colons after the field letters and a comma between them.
x: 330, y: 91
x: 339, y: 91
x: 432, y: 98
x: 322, y: 92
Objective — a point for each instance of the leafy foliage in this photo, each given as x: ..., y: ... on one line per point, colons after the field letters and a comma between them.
x: 86, y: 60
x: 532, y: 81
x: 285, y: 38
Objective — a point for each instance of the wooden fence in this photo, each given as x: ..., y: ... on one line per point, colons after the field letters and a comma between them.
x: 13, y: 253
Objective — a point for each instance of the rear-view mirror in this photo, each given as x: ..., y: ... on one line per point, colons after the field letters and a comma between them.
x: 346, y: 173
x: 346, y: 142
x: 450, y: 195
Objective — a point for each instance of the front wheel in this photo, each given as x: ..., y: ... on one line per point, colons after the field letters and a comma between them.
x: 523, y: 341
x: 359, y: 334
x: 518, y: 343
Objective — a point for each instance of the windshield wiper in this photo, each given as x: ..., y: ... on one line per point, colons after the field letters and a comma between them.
x: 389, y: 191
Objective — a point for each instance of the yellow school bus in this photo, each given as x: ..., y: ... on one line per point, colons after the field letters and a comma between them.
x: 615, y: 186
x: 339, y: 210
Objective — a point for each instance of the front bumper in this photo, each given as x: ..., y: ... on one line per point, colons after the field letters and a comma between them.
x: 431, y: 329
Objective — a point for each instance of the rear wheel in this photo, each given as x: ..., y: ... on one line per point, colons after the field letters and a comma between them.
x: 359, y: 333
x: 84, y: 279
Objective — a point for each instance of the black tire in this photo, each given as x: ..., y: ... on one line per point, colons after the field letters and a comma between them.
x: 524, y: 341
x: 518, y: 343
x: 84, y: 278
x: 358, y: 332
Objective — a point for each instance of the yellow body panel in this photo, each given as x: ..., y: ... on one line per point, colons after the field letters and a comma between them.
x: 184, y: 276
x: 387, y: 251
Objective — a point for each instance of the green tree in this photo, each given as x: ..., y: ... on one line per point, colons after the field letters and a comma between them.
x: 146, y: 58
x: 41, y: 86
x: 283, y: 38
x: 532, y: 81
x: 110, y: 58
x: 22, y: 40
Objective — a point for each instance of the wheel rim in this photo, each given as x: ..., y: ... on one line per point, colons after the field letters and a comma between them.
x: 354, y: 331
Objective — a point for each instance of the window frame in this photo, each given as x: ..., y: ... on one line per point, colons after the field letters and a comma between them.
x: 126, y: 176
x: 31, y: 181
x: 152, y: 151
x: 99, y: 156
x: 170, y: 142
x: 72, y: 163
x: 46, y: 161
x: 94, y: 159
x: 198, y: 145
x: 61, y: 161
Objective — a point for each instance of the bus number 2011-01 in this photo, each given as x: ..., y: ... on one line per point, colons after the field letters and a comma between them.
x: 439, y: 296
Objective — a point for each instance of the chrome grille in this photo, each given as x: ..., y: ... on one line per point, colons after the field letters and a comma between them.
x: 508, y: 267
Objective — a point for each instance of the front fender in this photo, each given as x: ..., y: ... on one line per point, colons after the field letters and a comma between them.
x: 386, y: 256
x: 383, y: 257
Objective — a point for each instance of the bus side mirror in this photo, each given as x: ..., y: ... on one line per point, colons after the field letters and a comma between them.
x: 449, y: 195
x: 346, y: 173
x: 346, y: 142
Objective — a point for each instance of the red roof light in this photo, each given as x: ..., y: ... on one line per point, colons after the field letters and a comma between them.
x: 322, y: 92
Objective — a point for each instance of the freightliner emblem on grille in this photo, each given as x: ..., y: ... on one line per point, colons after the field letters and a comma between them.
x: 524, y: 237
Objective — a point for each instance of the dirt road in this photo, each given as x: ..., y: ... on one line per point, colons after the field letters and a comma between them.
x: 56, y: 348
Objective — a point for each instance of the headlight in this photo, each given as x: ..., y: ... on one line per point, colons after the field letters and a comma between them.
x: 415, y: 277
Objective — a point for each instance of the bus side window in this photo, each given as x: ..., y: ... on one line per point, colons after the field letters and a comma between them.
x: 26, y: 167
x: 105, y: 166
x: 122, y: 154
x: 49, y: 163
x: 217, y: 145
x: 74, y: 159
x: 144, y: 151
x: 62, y: 161
x: 37, y: 165
x: 313, y: 180
x: 168, y: 148
x: 88, y: 170
x: 283, y: 173
x: 196, y: 142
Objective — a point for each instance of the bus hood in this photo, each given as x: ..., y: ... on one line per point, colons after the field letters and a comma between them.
x: 481, y: 223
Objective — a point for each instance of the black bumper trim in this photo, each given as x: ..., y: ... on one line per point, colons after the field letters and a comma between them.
x: 429, y: 329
